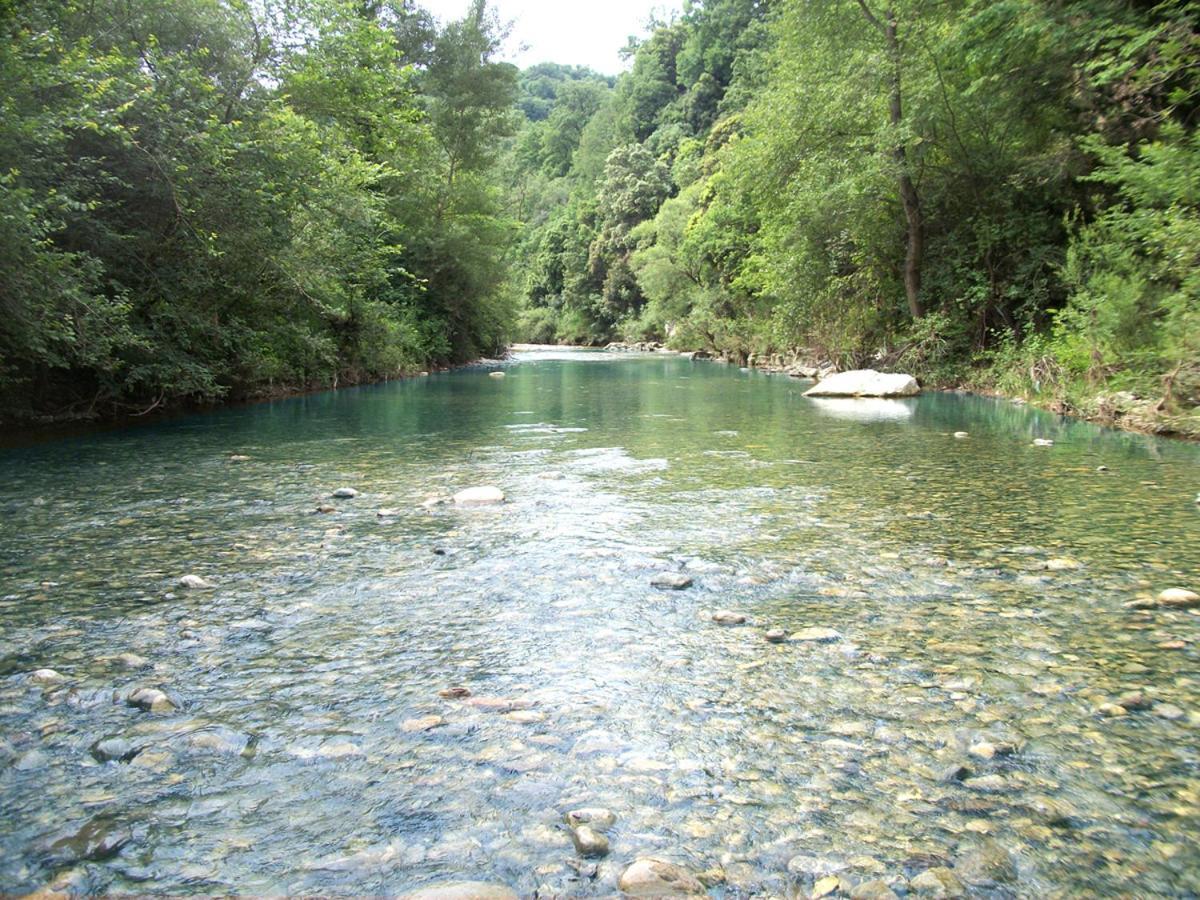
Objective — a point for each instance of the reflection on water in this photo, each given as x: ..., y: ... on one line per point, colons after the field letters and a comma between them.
x: 977, y: 587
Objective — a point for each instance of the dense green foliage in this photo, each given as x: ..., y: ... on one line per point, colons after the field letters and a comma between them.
x: 212, y: 198
x: 208, y: 198
x: 1002, y: 193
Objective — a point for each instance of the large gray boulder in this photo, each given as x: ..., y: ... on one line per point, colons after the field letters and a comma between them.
x: 865, y: 383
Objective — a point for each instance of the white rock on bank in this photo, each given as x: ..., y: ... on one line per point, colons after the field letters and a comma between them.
x: 865, y: 383
x: 479, y: 496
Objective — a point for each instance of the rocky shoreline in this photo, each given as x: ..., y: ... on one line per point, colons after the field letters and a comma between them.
x: 1121, y: 410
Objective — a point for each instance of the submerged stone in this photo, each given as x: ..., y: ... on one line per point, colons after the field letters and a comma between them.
x: 597, y: 817
x: 344, y: 493
x: 728, y: 617
x: 462, y: 890
x: 817, y: 635
x: 671, y: 581
x: 649, y: 877
x: 1178, y: 598
x: 194, y: 583
x: 479, y: 496
x: 589, y: 842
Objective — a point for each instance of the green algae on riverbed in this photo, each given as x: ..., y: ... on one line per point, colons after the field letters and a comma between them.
x: 976, y: 587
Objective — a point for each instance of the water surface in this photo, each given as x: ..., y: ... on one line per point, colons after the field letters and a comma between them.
x: 978, y: 584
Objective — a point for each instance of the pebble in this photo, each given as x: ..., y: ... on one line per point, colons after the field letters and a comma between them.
x: 589, y: 842
x: 325, y: 509
x: 728, y: 617
x: 649, y: 877
x: 454, y: 692
x: 986, y: 866
x: 150, y: 699
x: 673, y: 581
x: 776, y: 636
x: 1043, y: 442
x: 46, y: 676
x: 961, y: 434
x: 194, y: 583
x: 982, y: 750
x: 596, y: 817
x: 344, y: 493
x: 872, y: 890
x: 479, y: 496
x: 990, y: 784
x: 939, y: 883
x: 495, y: 374
x: 462, y: 890
x: 97, y: 840
x: 114, y: 749
x: 424, y: 723
x: 1169, y: 711
x: 387, y: 513
x: 816, y: 634
x: 1178, y: 598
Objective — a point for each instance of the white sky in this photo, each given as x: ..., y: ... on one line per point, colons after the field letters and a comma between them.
x: 576, y: 32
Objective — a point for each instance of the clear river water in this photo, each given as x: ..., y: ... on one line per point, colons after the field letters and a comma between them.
x: 977, y: 587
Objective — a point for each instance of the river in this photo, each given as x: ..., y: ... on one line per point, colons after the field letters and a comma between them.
x: 975, y: 588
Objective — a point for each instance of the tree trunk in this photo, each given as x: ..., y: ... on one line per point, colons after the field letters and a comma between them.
x: 915, y: 249
x: 909, y: 198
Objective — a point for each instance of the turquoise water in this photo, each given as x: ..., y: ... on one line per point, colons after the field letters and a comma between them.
x: 978, y: 585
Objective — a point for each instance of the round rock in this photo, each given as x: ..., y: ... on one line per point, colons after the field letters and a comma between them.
x: 344, y: 493
x: 589, y: 842
x: 728, y: 617
x: 1178, y: 598
x: 671, y: 581
x: 194, y: 583
x: 816, y: 634
x: 597, y: 817
x: 649, y: 877
x: 479, y: 496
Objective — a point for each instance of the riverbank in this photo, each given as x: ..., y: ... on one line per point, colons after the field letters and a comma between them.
x: 1122, y: 410
x: 25, y: 432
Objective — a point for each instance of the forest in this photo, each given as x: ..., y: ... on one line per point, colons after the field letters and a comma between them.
x: 207, y: 200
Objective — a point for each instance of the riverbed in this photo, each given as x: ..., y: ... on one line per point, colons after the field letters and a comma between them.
x: 960, y: 684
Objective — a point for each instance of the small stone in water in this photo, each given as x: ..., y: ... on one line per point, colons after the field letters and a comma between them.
x: 387, y: 513
x: 817, y: 634
x: 461, y: 890
x: 649, y: 877
x: 1043, y: 442
x: 1134, y: 701
x: 424, y: 723
x: 46, y: 676
x: 955, y: 772
x: 97, y: 840
x: 495, y: 374
x: 939, y: 883
x: 988, y: 783
x: 479, y: 496
x: 825, y: 886
x: 982, y: 750
x: 728, y: 617
x: 1169, y: 711
x: 986, y: 866
x: 194, y: 583
x: 1112, y: 710
x: 961, y: 434
x: 344, y: 493
x: 589, y: 842
x: 150, y: 699
x: 455, y: 692
x: 875, y: 889
x: 1061, y: 564
x: 673, y: 581
x: 113, y: 749
x: 597, y: 817
x: 776, y: 636
x: 525, y: 716
x: 1178, y: 598
x: 325, y: 509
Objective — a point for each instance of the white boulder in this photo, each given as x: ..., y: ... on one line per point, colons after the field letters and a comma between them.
x: 865, y: 383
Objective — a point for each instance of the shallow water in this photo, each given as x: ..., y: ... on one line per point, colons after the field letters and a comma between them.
x: 294, y: 766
